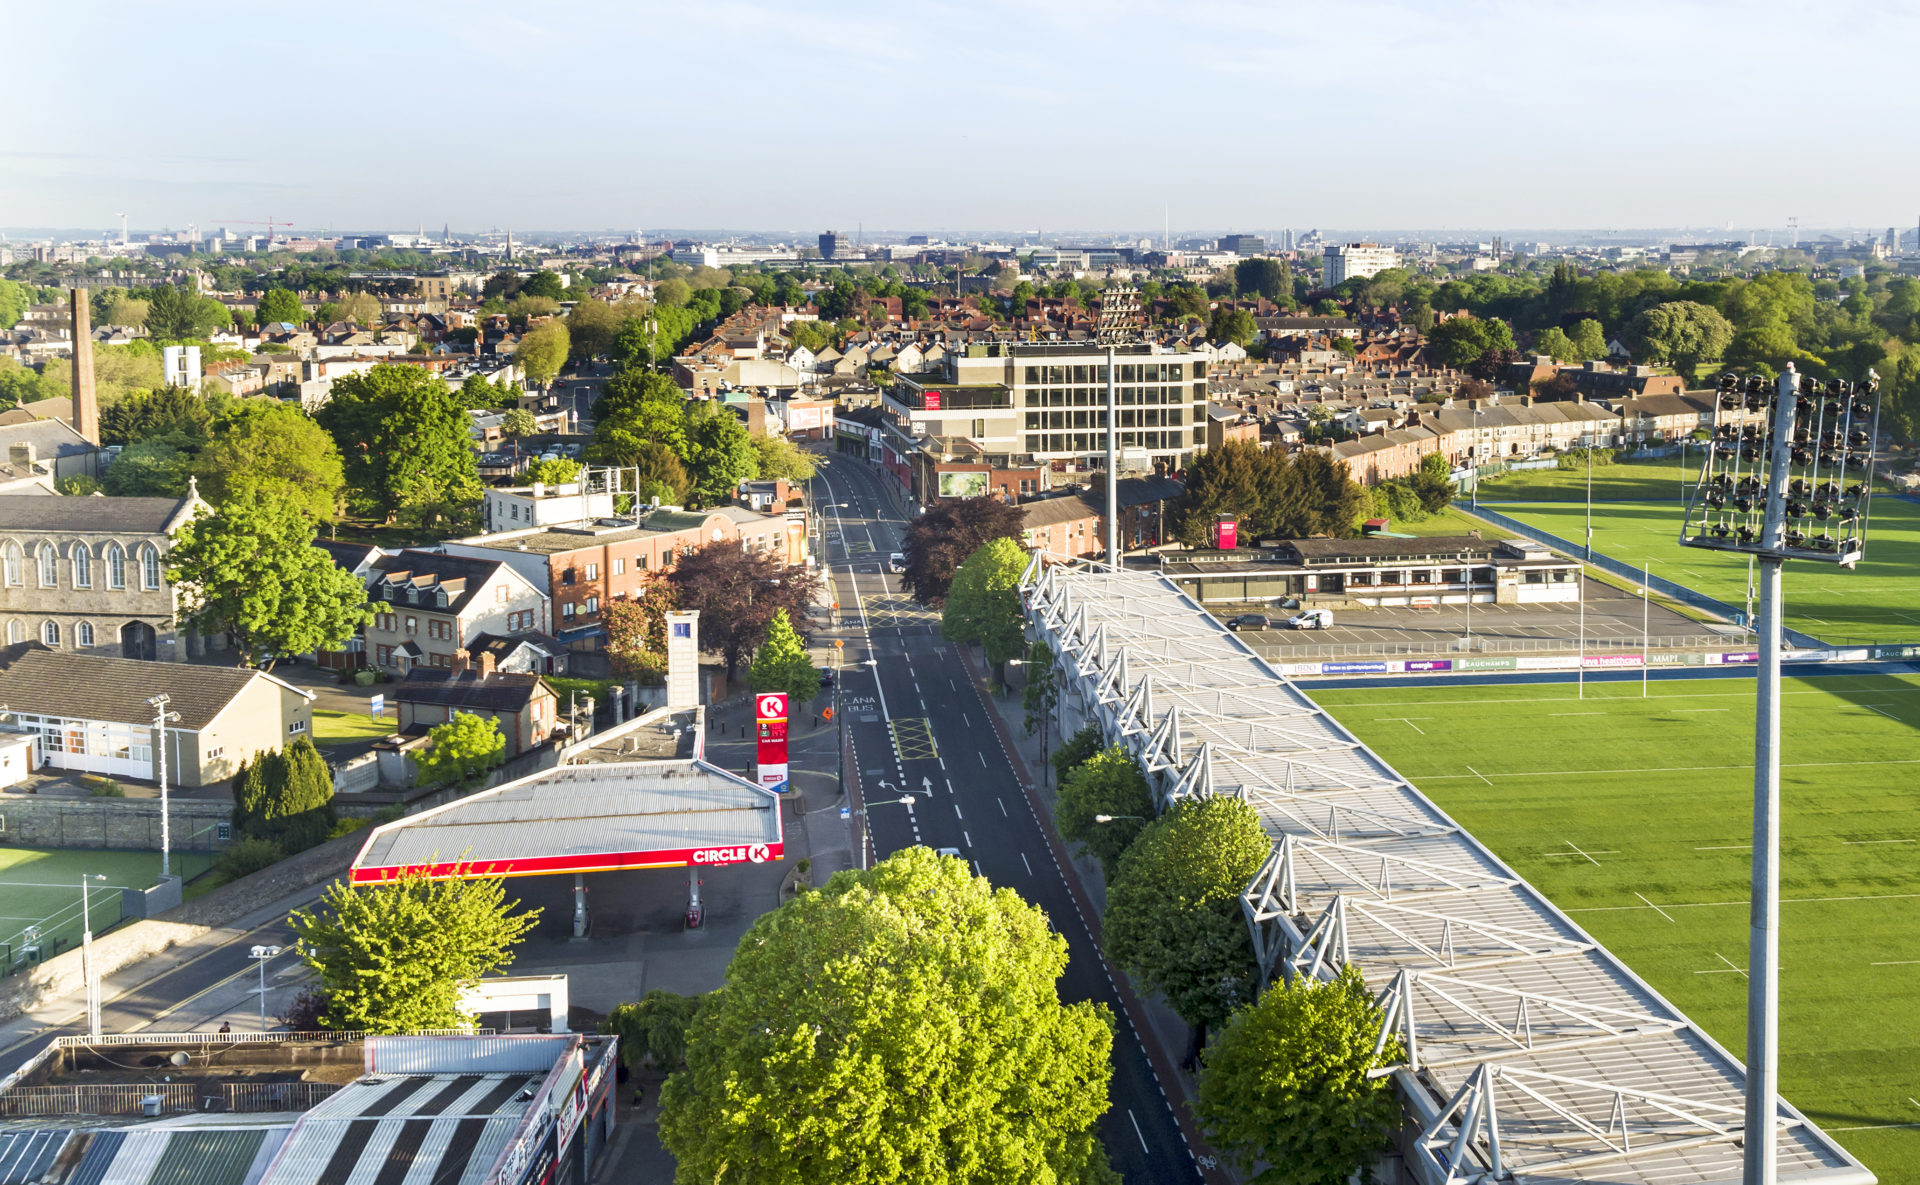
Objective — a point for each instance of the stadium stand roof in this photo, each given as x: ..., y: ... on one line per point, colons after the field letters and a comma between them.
x: 1531, y: 1051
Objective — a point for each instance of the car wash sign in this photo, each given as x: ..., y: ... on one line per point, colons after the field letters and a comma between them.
x: 770, y: 719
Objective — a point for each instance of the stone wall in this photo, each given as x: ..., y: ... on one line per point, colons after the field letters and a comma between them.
x: 122, y: 824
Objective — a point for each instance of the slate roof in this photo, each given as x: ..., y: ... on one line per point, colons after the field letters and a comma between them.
x: 499, y: 692
x: 94, y: 515
x: 84, y: 686
x: 1045, y: 512
x: 462, y: 577
x: 49, y: 438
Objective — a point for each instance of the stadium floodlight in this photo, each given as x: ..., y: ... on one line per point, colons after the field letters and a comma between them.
x: 1788, y: 475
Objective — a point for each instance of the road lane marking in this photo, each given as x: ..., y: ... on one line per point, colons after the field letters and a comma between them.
x: 1003, y: 808
x: 1023, y: 860
x: 1137, y: 1132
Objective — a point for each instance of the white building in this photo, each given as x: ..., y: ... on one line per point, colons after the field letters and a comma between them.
x: 180, y: 366
x: 1344, y: 261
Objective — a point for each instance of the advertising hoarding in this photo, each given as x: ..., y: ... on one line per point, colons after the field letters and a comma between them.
x: 963, y: 485
x: 770, y: 727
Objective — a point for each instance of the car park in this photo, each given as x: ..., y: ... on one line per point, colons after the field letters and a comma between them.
x: 1311, y: 619
x: 1248, y: 621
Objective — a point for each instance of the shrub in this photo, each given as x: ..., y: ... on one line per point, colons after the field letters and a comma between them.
x: 304, y: 1012
x: 107, y: 789
x: 246, y: 857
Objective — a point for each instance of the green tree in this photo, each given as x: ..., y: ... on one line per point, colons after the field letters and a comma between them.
x: 949, y: 532
x: 1682, y: 332
x: 462, y: 747
x: 522, y: 310
x: 720, y: 454
x: 544, y: 283
x: 279, y: 305
x: 542, y: 353
x: 1461, y: 340
x: 636, y: 407
x: 776, y: 456
x: 1589, y: 340
x: 392, y: 957
x: 1284, y: 1092
x: 178, y: 314
x: 249, y: 567
x: 1077, y: 750
x: 1433, y: 483
x: 658, y: 473
x: 1555, y: 344
x: 653, y: 1029
x: 518, y: 423
x: 1173, y: 908
x: 637, y: 630
x: 1232, y: 325
x: 1109, y: 783
x: 157, y: 467
x: 272, y: 448
x: 590, y: 329
x: 1041, y: 694
x: 898, y: 1025
x: 1262, y: 277
x: 285, y: 797
x: 20, y: 384
x: 1227, y: 481
x: 154, y: 413
x: 983, y: 604
x: 782, y: 663
x: 407, y: 446
x: 558, y: 471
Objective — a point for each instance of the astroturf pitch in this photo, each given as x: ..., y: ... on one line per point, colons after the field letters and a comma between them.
x: 40, y: 888
x: 1634, y: 816
x: 1876, y: 601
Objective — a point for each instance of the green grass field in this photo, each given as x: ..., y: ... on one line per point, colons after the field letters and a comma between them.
x: 1877, y: 601
x: 42, y: 889
x: 1635, y: 818
x: 1626, y: 481
x: 334, y: 728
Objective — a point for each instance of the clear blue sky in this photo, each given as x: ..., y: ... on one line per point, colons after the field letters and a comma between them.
x: 1063, y: 115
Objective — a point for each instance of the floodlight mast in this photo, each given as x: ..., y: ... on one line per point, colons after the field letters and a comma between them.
x: 1823, y: 438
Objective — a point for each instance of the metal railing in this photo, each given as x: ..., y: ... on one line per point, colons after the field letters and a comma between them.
x: 276, y: 1037
x: 1606, y: 563
x: 1632, y: 644
x: 254, y: 1097
x: 102, y: 1099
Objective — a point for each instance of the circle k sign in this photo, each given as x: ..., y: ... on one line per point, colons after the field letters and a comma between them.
x: 773, y: 706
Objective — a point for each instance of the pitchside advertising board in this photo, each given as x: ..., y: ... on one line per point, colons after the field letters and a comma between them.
x: 770, y: 715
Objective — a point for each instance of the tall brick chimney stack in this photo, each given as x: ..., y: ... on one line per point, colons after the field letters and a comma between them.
x: 86, y: 407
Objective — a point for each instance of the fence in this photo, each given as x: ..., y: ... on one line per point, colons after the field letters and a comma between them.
x: 121, y: 1099
x: 1594, y: 643
x: 253, y: 1097
x: 1606, y: 563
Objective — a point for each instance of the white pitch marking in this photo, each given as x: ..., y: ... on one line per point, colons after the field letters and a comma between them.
x: 1663, y: 913
x: 1660, y: 769
x: 1857, y: 842
x: 1899, y: 963
x: 1577, y: 850
x: 1476, y: 773
x: 1745, y: 902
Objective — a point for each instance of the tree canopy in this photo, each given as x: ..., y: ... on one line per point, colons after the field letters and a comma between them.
x: 279, y: 305
x: 542, y: 352
x: 406, y: 444
x: 285, y: 797
x: 391, y: 957
x: 466, y: 745
x: 249, y: 567
x: 782, y: 663
x: 900, y: 1025
x: 1284, y: 1093
x: 1173, y: 907
x: 983, y: 603
x: 1461, y: 340
x: 737, y: 594
x: 952, y: 529
x: 272, y: 448
x: 1108, y: 783
x: 1270, y: 493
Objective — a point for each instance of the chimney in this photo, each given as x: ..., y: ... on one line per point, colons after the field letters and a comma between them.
x: 483, y: 664
x: 20, y: 456
x: 86, y: 407
x: 459, y: 661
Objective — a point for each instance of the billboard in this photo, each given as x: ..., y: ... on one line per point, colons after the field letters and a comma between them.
x: 1226, y: 534
x: 1429, y: 664
x: 963, y: 485
x: 770, y: 721
x: 932, y: 402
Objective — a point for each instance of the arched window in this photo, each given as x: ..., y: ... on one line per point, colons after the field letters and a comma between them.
x: 149, y: 567
x: 49, y: 566
x: 82, y: 566
x: 15, y: 633
x: 116, y: 566
x: 50, y: 632
x: 14, y: 558
x: 83, y: 634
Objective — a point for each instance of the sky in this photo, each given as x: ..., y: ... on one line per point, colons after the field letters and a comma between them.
x: 924, y: 117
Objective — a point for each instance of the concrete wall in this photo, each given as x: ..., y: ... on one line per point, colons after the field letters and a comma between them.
x: 121, y: 824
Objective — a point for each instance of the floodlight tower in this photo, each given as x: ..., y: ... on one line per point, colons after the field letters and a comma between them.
x: 1788, y: 475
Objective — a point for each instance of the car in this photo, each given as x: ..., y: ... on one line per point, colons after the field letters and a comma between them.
x: 826, y: 678
x: 1289, y: 602
x: 1311, y: 619
x: 1248, y: 621
x: 897, y: 561
x: 954, y: 852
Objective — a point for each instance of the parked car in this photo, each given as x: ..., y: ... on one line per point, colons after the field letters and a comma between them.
x: 1248, y: 621
x: 1289, y: 602
x: 826, y: 679
x: 897, y: 562
x: 1312, y: 619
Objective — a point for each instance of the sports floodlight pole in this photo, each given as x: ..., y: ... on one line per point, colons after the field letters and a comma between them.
x: 1761, y: 1164
x: 1113, y: 478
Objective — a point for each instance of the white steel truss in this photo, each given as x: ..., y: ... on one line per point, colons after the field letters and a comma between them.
x: 1524, y: 1051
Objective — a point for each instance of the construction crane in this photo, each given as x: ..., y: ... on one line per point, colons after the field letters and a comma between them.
x: 269, y: 224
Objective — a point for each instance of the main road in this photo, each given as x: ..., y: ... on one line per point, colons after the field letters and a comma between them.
x: 920, y: 727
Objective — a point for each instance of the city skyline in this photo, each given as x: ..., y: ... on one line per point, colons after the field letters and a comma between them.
x: 1079, y: 117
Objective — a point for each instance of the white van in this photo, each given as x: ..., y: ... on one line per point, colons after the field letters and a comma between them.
x: 1312, y: 619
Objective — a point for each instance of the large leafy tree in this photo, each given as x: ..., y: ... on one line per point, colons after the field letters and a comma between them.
x: 1461, y: 340
x: 466, y: 745
x: 1173, y: 908
x: 154, y: 413
x: 1232, y: 325
x: 391, y: 958
x: 285, y: 797
x: 983, y: 604
x: 1270, y: 494
x: 1108, y: 783
x: 1284, y: 1092
x: 249, y: 567
x: 776, y: 456
x: 590, y: 328
x: 899, y: 1025
x: 1683, y: 332
x: 737, y: 594
x: 405, y: 440
x: 1076, y: 751
x: 266, y: 447
x: 940, y: 540
x: 782, y: 663
x: 637, y: 629
x: 178, y: 314
x: 543, y: 352
x: 543, y: 283
x: 720, y: 454
x: 637, y: 407
x: 1226, y: 481
x: 654, y: 1028
x: 278, y: 305
x: 1262, y: 277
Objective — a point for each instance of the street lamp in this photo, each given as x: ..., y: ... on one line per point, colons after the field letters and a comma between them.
x: 903, y: 800
x: 1788, y: 475
x: 260, y: 955
x: 86, y: 956
x: 1111, y: 818
x: 160, y: 717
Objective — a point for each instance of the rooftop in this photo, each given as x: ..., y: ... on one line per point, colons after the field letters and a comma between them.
x: 95, y: 514
x: 38, y: 680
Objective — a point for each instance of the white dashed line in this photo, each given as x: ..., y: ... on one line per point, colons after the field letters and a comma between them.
x: 1023, y: 860
x: 1003, y: 808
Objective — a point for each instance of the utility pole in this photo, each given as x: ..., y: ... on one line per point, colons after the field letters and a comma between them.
x: 160, y: 718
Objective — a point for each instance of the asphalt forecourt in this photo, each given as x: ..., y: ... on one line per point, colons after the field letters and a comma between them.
x: 1633, y: 815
